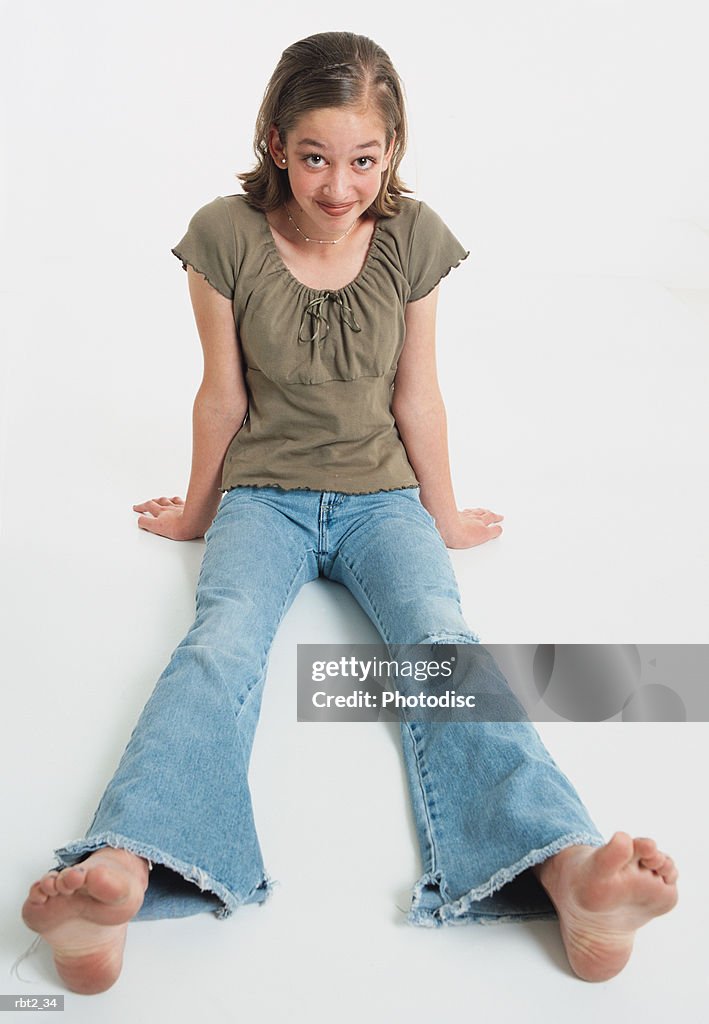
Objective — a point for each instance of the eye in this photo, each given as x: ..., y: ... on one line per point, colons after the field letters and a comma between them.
x: 312, y: 156
x: 366, y: 158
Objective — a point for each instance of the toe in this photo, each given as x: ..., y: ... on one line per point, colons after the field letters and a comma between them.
x: 653, y: 861
x: 616, y: 853
x: 70, y: 879
x: 36, y: 895
x: 644, y: 848
x: 48, y: 883
x: 669, y: 871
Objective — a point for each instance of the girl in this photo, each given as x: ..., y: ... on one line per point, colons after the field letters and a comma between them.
x: 320, y: 449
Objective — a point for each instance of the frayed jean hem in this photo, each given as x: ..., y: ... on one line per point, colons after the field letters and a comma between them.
x: 76, y: 850
x: 463, y: 910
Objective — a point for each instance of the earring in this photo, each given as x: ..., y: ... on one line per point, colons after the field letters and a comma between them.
x: 283, y: 159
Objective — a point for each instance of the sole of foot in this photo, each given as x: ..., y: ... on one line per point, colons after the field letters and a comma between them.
x: 83, y: 911
x: 603, y: 895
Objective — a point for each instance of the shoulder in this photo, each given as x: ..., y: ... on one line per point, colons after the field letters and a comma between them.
x: 241, y: 213
x: 217, y: 237
x: 225, y: 215
x: 230, y: 224
x: 416, y: 222
x: 401, y: 225
x: 428, y: 247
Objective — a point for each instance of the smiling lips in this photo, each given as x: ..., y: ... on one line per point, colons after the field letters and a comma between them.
x: 335, y: 211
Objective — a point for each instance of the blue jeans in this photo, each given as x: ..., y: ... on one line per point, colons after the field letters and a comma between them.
x: 488, y: 799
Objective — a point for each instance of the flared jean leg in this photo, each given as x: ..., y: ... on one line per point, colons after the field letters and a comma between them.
x: 180, y: 795
x: 488, y: 799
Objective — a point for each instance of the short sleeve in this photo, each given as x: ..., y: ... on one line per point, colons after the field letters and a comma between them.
x: 433, y: 253
x: 209, y: 246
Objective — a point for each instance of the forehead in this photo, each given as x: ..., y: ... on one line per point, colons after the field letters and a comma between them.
x: 340, y: 127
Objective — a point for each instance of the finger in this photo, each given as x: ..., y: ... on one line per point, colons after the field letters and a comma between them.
x: 156, y: 506
x: 487, y: 532
x: 147, y: 523
x: 144, y: 506
x: 484, y: 511
x: 482, y: 536
x: 151, y: 505
x: 485, y: 518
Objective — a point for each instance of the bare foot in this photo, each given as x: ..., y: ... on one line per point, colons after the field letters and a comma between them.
x: 83, y: 913
x: 603, y: 895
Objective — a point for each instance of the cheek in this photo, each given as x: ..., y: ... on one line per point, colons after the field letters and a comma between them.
x: 374, y: 185
x: 301, y: 184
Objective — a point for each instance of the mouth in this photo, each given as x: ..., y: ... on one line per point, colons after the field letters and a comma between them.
x: 335, y: 211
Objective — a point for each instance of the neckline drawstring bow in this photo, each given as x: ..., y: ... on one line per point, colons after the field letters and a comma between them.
x: 314, y: 310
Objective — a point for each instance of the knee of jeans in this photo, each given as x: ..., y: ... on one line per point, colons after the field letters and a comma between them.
x: 466, y: 637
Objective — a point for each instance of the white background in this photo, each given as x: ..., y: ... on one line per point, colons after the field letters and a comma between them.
x: 565, y: 143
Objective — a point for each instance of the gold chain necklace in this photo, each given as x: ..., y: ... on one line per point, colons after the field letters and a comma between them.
x: 320, y: 241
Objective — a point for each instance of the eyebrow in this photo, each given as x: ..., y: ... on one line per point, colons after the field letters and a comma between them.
x: 321, y: 145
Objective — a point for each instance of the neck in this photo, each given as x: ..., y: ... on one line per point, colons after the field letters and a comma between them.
x: 314, y: 237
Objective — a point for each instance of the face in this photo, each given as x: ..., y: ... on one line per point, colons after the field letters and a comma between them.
x: 335, y: 162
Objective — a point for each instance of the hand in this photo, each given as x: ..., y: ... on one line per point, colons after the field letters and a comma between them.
x: 472, y: 526
x: 166, y: 519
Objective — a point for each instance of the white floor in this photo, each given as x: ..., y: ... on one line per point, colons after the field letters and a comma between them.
x: 577, y: 411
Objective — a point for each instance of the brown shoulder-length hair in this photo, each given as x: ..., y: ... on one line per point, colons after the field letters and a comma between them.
x: 329, y: 69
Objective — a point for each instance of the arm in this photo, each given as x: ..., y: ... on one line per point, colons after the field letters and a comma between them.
x: 417, y: 406
x: 218, y: 413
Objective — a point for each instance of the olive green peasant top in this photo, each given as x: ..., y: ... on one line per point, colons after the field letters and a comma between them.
x: 319, y: 363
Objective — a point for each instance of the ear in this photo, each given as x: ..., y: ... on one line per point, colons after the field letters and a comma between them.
x: 276, y: 147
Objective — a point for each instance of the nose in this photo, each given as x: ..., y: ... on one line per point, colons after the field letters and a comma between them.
x: 335, y: 188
